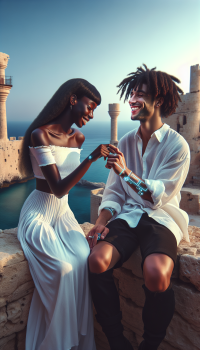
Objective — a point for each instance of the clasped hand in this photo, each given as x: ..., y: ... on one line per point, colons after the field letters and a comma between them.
x: 100, y: 151
x: 115, y: 160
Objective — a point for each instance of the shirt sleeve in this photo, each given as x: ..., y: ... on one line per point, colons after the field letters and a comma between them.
x: 114, y: 194
x: 169, y: 179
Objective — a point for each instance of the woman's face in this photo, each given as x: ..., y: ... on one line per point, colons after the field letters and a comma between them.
x: 82, y: 111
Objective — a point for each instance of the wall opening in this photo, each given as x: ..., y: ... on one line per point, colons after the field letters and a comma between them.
x: 178, y: 127
x: 184, y: 120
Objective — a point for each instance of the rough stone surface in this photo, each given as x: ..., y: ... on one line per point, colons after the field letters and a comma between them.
x: 16, y: 290
x: 190, y: 269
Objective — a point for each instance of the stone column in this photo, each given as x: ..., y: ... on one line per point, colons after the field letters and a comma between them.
x: 4, y: 91
x: 114, y: 110
x: 195, y: 78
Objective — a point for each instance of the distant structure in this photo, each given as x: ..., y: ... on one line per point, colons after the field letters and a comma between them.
x: 114, y: 110
x: 186, y: 121
x: 9, y: 149
x: 5, y: 86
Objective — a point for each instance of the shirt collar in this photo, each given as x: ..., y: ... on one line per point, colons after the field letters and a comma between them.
x: 160, y: 133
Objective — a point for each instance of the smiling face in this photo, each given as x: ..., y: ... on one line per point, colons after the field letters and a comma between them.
x: 142, y: 106
x: 82, y: 111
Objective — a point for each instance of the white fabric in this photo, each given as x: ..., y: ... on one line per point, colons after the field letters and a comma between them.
x: 163, y: 167
x: 42, y: 155
x: 67, y: 159
x: 54, y: 244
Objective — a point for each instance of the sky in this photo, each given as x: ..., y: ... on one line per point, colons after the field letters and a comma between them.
x: 51, y: 41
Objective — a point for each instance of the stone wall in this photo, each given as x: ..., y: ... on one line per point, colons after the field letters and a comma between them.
x: 186, y: 120
x: 16, y: 290
x: 9, y: 159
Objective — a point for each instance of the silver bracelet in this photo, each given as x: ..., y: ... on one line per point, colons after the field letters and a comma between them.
x: 140, y: 189
x: 111, y: 210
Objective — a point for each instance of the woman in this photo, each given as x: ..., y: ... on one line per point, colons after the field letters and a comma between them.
x: 54, y: 244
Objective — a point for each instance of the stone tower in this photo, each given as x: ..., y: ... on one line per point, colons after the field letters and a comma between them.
x: 114, y: 110
x: 5, y: 86
x: 186, y: 121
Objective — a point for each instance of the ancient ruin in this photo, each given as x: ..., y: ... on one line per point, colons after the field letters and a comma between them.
x: 114, y: 110
x: 9, y: 149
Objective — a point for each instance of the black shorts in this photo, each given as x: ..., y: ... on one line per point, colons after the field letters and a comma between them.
x: 151, y: 236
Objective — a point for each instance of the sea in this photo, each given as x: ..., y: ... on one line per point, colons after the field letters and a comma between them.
x: 96, y: 133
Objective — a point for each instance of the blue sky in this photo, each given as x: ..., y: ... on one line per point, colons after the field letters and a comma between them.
x: 50, y: 42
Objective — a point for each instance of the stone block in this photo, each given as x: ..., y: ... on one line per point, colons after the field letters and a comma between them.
x: 130, y: 286
x: 131, y: 315
x: 190, y: 269
x: 13, y: 277
x: 14, y: 312
x: 3, y: 316
x: 21, y: 336
x: 4, y: 342
x: 18, y: 319
x: 134, y: 263
x: 181, y: 335
x: 188, y: 304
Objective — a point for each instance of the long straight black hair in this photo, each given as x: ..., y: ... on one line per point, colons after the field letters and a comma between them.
x: 55, y: 106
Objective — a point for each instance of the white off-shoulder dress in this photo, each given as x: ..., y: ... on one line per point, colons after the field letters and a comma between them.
x: 60, y: 316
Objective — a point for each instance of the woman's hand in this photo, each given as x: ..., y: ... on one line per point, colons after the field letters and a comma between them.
x: 100, y: 151
x: 116, y: 161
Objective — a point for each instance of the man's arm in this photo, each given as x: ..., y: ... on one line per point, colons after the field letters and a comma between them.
x: 168, y: 180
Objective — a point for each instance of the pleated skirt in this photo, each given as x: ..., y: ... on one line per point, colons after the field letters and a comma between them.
x: 60, y: 316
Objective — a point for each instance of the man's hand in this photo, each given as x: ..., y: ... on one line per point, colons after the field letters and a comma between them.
x: 93, y: 234
x: 116, y: 161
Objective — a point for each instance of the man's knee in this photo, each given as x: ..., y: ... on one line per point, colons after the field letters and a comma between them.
x: 98, y: 263
x: 157, y: 272
x: 156, y: 280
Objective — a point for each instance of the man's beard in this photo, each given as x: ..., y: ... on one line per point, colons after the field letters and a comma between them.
x: 142, y: 115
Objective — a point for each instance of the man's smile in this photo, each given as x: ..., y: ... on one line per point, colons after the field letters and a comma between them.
x: 135, y: 108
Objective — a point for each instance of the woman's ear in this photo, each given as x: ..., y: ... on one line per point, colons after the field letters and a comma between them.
x: 73, y: 99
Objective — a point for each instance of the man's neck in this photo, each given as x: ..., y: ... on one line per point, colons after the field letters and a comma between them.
x: 148, y: 128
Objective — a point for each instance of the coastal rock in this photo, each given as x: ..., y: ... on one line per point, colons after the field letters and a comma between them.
x: 91, y: 184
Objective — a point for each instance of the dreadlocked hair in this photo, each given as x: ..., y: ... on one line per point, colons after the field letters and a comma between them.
x: 159, y: 84
x: 56, y: 105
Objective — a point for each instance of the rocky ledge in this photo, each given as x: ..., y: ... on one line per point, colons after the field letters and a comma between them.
x: 16, y: 290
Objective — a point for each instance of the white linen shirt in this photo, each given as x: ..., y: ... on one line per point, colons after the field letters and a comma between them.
x: 163, y: 167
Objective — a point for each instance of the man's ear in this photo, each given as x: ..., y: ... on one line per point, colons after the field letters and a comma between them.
x: 73, y: 99
x: 159, y: 101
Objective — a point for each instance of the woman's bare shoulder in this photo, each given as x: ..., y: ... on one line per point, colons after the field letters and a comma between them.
x: 80, y: 138
x: 39, y: 137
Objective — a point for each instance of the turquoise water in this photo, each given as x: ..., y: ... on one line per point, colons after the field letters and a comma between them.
x: 13, y: 197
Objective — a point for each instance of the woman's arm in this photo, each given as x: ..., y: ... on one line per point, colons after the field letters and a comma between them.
x: 58, y: 186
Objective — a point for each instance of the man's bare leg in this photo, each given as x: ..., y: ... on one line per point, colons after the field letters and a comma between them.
x: 159, y: 303
x: 103, y: 258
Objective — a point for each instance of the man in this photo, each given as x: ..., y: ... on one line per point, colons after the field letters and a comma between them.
x: 141, y: 204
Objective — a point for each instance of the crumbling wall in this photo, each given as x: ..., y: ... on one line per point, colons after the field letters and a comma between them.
x: 10, y: 152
